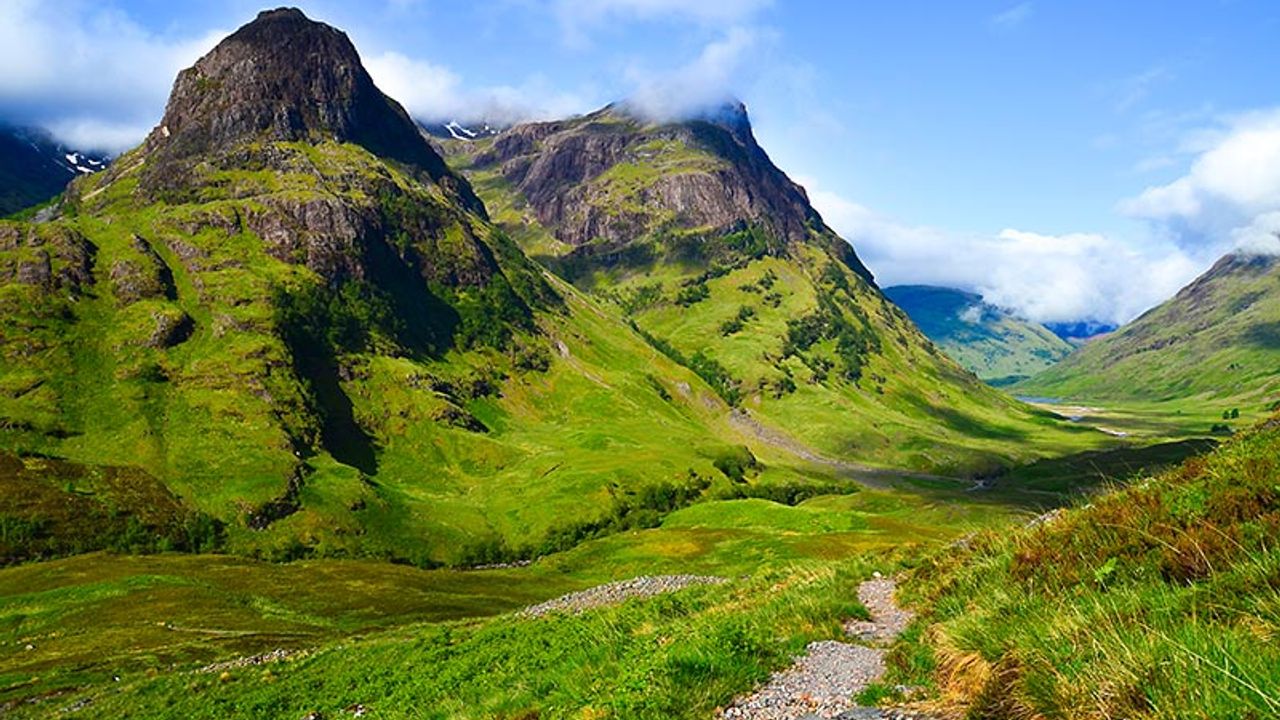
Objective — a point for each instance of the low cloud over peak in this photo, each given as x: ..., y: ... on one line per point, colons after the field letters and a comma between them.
x: 704, y: 83
x: 434, y: 92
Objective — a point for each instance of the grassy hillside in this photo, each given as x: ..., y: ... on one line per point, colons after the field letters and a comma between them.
x: 989, y: 342
x: 400, y: 639
x: 514, y: 434
x: 1214, y: 344
x: 787, y: 329
x: 305, y: 348
x: 1157, y: 601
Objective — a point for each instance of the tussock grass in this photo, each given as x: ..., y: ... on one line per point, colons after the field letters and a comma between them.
x: 1160, y: 600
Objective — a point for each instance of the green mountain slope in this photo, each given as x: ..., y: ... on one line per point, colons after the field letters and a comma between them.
x: 691, y: 231
x: 1217, y: 339
x: 990, y: 342
x: 287, y: 311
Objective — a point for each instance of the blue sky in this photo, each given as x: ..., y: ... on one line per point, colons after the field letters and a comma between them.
x: 1071, y: 160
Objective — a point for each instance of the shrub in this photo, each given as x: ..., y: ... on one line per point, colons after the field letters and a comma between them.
x: 736, y: 462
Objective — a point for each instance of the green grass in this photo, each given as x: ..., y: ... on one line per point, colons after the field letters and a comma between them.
x: 152, y: 619
x: 1157, y: 601
x: 679, y: 655
x: 92, y: 617
x: 1213, y: 346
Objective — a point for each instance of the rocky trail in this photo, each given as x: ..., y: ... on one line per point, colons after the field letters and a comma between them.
x: 616, y: 592
x: 825, y: 680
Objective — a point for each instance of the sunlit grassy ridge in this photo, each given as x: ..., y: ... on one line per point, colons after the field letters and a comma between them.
x: 1161, y: 600
x: 1215, y: 343
x: 787, y: 332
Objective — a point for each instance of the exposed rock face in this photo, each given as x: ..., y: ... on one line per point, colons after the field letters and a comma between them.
x: 45, y: 257
x: 143, y: 276
x: 284, y: 77
x: 710, y: 174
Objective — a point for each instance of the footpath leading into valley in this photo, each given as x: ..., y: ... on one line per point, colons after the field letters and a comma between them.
x: 824, y: 682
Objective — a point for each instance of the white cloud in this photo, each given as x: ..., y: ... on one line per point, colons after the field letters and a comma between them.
x: 1046, y: 278
x: 1232, y: 182
x: 93, y: 76
x: 435, y: 92
x: 707, y: 80
x: 1012, y: 17
x: 1261, y: 237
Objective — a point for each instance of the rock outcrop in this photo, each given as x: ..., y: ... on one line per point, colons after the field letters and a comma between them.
x: 612, y: 178
x: 284, y: 77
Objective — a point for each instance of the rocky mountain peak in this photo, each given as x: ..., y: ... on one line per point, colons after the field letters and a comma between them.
x: 284, y: 77
x: 617, y: 176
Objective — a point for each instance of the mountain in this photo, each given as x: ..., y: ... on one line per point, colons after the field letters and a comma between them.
x: 454, y: 130
x: 1218, y: 337
x: 714, y: 254
x: 284, y: 326
x: 992, y: 343
x: 34, y: 167
x: 622, y: 192
x: 286, y: 322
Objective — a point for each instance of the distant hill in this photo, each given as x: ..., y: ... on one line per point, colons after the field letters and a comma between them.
x: 1218, y: 337
x: 34, y: 167
x: 997, y: 346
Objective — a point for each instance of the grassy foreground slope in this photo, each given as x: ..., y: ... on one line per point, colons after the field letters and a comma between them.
x: 411, y: 643
x: 1161, y: 600
x: 986, y: 340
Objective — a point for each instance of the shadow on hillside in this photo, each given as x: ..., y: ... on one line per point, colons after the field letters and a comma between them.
x: 341, y: 435
x: 966, y: 424
x: 1048, y: 483
x: 1051, y: 482
x: 1264, y: 335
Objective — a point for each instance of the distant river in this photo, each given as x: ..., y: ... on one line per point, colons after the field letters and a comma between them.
x: 1038, y: 400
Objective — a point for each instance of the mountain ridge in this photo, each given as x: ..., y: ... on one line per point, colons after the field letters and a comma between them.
x: 789, y: 327
x: 1215, y: 338
x: 35, y: 167
x: 576, y: 162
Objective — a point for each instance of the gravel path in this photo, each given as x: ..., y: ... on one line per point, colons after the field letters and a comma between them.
x: 616, y: 592
x: 823, y: 682
x: 887, y: 619
x: 820, y: 683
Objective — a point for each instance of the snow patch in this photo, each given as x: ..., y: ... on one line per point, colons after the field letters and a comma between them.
x: 459, y: 132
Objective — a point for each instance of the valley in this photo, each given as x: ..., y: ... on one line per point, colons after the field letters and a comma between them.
x: 310, y: 408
